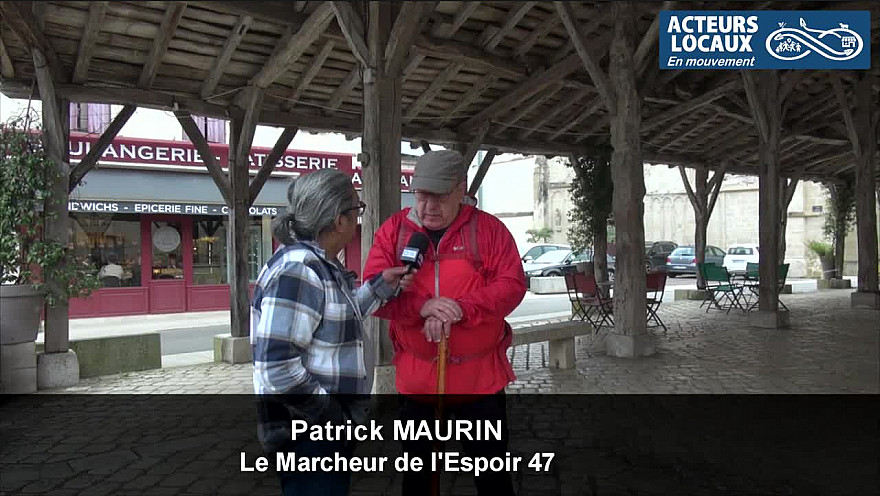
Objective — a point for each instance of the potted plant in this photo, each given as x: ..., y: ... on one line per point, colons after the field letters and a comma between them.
x: 825, y: 252
x: 27, y: 176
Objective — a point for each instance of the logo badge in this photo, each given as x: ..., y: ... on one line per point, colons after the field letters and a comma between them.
x: 765, y: 39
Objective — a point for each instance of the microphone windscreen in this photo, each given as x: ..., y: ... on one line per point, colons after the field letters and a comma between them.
x: 415, y: 249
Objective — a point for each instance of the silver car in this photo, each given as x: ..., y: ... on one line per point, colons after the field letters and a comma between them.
x: 683, y: 260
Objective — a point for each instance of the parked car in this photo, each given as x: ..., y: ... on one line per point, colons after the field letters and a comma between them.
x: 657, y: 252
x: 739, y: 255
x: 533, y: 252
x: 683, y: 260
x: 559, y: 262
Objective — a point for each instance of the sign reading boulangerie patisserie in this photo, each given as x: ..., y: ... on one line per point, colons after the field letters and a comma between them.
x: 162, y: 154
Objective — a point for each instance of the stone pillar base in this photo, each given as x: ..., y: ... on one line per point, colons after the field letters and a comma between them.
x: 56, y: 370
x: 562, y: 353
x: 778, y: 319
x: 18, y: 368
x: 384, y: 377
x: 228, y: 349
x: 620, y: 345
x: 865, y: 300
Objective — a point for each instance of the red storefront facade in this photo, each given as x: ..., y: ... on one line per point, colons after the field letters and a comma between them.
x: 152, y: 223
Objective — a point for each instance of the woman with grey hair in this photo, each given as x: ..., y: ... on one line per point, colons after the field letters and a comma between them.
x: 307, y: 333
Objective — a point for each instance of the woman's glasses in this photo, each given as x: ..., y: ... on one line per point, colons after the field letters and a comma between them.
x: 361, y: 207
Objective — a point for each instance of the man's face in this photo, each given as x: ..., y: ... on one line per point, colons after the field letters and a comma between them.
x: 438, y: 211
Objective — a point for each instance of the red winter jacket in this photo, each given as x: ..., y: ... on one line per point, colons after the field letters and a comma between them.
x: 487, y: 289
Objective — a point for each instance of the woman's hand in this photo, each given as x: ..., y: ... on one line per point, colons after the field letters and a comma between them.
x: 399, y: 275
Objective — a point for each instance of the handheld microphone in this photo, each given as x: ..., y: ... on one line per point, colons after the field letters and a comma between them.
x: 414, y: 253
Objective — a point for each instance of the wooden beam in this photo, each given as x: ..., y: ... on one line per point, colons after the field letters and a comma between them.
x: 252, y: 103
x: 272, y: 12
x: 22, y: 22
x: 86, y: 48
x: 219, y: 67
x: 847, y: 113
x: 160, y: 45
x: 271, y: 161
x: 563, y: 105
x: 426, y: 147
x: 516, y: 13
x: 405, y: 29
x: 352, y: 24
x: 590, y: 62
x: 526, y: 89
x: 309, y: 74
x: 89, y: 162
x: 462, y: 15
x: 344, y: 89
x: 474, y: 57
x: 648, y: 40
x: 476, y: 90
x: 547, y: 25
x: 584, y: 114
x: 434, y: 88
x: 7, y: 69
x: 474, y: 144
x: 715, y: 185
x: 198, y: 140
x: 525, y: 110
x: 481, y: 171
x: 689, y: 106
x: 280, y: 62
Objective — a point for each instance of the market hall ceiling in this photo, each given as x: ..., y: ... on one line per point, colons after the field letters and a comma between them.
x: 507, y: 68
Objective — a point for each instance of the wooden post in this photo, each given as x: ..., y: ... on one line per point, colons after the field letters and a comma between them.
x: 862, y: 124
x: 627, y: 172
x: 56, y: 132
x: 381, y: 165
x: 242, y: 127
x: 763, y: 91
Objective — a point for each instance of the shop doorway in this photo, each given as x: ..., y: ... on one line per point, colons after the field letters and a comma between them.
x: 167, y: 251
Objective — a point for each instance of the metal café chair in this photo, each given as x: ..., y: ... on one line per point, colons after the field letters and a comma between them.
x: 656, y: 286
x: 723, y: 293
x: 588, y: 301
x: 755, y: 288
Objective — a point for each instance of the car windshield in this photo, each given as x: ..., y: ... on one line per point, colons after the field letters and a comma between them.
x: 683, y: 252
x: 740, y: 250
x: 582, y: 257
x: 555, y: 256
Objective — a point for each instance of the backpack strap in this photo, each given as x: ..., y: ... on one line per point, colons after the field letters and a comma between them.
x: 473, y: 241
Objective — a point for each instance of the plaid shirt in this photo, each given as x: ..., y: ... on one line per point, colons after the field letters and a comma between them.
x: 307, y: 331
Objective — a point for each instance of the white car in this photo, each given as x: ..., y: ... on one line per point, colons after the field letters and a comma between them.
x: 739, y: 255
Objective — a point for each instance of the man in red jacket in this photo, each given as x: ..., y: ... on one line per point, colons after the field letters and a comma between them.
x: 470, y: 280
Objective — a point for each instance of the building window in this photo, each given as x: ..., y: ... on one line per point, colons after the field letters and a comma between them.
x: 214, y: 130
x: 111, y: 245
x: 89, y: 117
x: 210, y: 250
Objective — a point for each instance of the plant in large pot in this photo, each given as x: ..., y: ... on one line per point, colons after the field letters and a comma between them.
x: 27, y: 257
x: 825, y: 252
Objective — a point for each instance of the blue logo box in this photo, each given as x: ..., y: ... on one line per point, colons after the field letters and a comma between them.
x: 765, y: 39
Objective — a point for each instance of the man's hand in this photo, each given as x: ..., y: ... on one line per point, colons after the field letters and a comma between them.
x: 399, y: 275
x: 434, y: 329
x: 446, y: 310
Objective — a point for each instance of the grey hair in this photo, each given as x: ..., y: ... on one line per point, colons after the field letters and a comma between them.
x: 313, y: 203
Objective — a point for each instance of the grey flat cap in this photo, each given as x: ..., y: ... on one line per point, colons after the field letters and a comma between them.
x: 438, y: 171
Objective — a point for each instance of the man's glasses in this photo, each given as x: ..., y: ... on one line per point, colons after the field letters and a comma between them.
x: 361, y: 207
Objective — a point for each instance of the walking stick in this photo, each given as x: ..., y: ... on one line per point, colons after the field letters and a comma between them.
x: 441, y: 391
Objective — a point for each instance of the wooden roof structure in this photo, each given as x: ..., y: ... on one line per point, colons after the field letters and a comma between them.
x: 504, y: 71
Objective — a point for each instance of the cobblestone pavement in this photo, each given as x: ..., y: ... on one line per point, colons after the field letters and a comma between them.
x: 142, y: 444
x: 829, y: 348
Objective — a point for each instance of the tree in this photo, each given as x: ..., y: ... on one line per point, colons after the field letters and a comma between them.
x: 702, y: 197
x: 592, y: 192
x: 541, y: 235
x: 840, y: 217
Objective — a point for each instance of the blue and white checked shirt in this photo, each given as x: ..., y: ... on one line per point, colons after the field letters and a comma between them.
x: 307, y: 329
